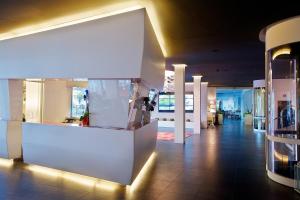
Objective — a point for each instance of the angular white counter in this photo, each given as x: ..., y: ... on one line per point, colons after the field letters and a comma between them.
x: 113, y: 155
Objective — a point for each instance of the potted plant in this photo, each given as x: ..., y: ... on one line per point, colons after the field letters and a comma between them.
x: 85, y: 119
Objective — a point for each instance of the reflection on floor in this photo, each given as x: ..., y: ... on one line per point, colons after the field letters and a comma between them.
x: 227, y: 162
x: 167, y: 134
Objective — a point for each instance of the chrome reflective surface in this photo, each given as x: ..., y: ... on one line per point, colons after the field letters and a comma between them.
x: 259, y: 122
x: 109, y: 103
x: 282, y: 157
x: 283, y: 109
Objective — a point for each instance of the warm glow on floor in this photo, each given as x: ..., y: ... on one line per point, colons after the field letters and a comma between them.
x: 96, y: 13
x: 168, y: 136
x: 6, y: 162
x: 76, y: 178
x: 138, y: 180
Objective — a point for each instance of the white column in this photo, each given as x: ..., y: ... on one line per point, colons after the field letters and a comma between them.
x: 11, y: 102
x: 204, y: 104
x: 197, y: 104
x: 179, y: 103
x: 11, y: 105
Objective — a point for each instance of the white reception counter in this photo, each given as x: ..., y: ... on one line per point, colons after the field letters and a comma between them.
x: 113, y: 155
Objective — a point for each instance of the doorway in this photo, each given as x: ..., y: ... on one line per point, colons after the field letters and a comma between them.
x: 235, y: 104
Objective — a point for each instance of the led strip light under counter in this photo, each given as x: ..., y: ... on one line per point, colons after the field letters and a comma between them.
x: 94, y: 182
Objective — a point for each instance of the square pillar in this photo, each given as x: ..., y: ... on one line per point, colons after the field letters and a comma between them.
x: 179, y: 103
x: 11, y: 113
x: 197, y: 104
x: 203, y: 108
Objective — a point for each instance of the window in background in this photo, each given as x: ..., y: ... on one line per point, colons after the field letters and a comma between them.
x: 78, y: 102
x: 229, y: 104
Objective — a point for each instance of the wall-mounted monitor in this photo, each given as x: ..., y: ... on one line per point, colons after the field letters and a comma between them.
x: 166, y: 102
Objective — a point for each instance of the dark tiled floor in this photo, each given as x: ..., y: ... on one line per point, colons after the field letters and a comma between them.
x: 223, y: 163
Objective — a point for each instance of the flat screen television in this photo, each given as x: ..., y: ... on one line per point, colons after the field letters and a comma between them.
x: 166, y: 102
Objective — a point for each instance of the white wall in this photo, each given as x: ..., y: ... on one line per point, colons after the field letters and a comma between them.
x: 113, y: 155
x: 11, y: 100
x: 113, y: 44
x: 153, y: 63
x: 57, y: 101
x: 4, y: 100
x: 121, y: 46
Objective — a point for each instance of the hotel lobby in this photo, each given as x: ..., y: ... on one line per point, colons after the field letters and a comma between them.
x: 141, y: 99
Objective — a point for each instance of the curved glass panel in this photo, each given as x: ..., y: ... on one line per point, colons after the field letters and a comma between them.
x: 282, y: 92
x: 283, y: 108
x: 282, y: 157
x: 259, y: 122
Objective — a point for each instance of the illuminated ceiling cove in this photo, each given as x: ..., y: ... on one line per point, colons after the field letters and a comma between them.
x: 91, y: 14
